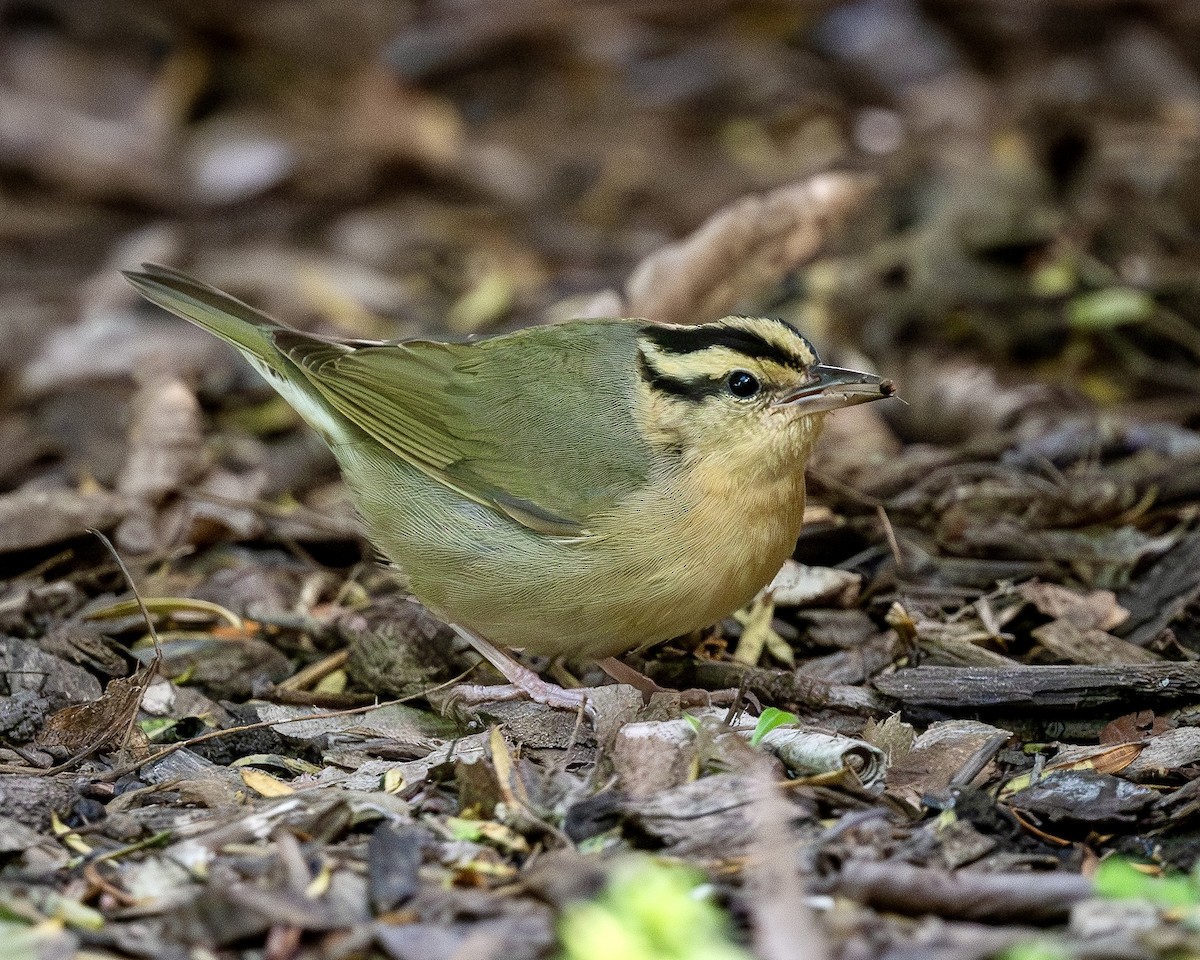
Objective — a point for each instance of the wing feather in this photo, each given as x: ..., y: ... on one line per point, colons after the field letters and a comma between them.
x: 537, y: 425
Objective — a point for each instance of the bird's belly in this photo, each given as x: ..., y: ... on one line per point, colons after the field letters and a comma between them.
x: 673, y: 569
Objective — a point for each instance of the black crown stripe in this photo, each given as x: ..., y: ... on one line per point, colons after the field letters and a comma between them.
x: 682, y: 340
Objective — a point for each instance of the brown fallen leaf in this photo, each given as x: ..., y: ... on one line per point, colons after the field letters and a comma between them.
x: 945, y: 754
x: 1096, y: 609
x: 166, y: 453
x: 893, y: 736
x: 1079, y: 631
x: 1075, y: 644
x: 32, y: 518
x: 88, y: 727
x: 743, y: 250
x: 1134, y: 726
x: 1103, y: 758
x: 166, y: 440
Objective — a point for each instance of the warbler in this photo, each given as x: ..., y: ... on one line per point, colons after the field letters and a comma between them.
x: 578, y: 489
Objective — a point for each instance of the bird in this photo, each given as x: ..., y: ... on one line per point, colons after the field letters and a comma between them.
x: 573, y: 489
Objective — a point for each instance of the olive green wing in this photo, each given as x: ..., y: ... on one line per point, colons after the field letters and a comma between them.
x: 537, y: 424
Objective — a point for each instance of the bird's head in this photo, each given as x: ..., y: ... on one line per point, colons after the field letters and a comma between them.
x: 746, y: 392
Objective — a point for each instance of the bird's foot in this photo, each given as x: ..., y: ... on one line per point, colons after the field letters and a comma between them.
x: 549, y: 694
x: 521, y: 680
x: 624, y: 673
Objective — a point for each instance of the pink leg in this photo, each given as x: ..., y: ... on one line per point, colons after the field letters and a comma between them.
x: 624, y: 673
x: 521, y: 678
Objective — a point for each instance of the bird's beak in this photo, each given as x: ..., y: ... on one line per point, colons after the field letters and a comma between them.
x: 831, y: 388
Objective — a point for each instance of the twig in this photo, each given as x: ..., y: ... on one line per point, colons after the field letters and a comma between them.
x: 1067, y: 688
x: 136, y: 596
x: 150, y: 669
x: 964, y: 894
x: 91, y: 873
x: 771, y: 686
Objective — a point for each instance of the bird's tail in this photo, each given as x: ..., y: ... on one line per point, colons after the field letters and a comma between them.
x: 251, y: 331
x: 237, y: 323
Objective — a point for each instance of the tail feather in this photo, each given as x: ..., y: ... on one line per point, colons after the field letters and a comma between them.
x: 251, y: 331
x: 235, y: 322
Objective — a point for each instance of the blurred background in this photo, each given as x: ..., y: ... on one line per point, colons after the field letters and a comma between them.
x: 1013, y: 235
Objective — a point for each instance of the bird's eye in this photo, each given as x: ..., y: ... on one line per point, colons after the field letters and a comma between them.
x: 743, y: 384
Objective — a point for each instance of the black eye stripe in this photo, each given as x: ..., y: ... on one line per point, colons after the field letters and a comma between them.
x: 694, y: 390
x: 679, y: 340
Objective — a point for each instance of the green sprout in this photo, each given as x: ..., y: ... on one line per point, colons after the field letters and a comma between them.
x: 649, y: 911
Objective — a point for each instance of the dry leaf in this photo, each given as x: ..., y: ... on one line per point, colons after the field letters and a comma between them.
x: 893, y: 736
x: 166, y: 441
x: 1067, y: 640
x: 758, y: 634
x: 1134, y: 726
x: 264, y: 784
x: 1097, y: 610
x: 939, y: 755
x: 798, y: 585
x: 743, y: 250
x: 87, y: 727
x: 37, y: 518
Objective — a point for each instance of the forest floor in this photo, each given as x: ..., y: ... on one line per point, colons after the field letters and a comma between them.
x: 965, y: 724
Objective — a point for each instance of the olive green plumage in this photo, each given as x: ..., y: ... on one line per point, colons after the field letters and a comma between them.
x: 579, y: 488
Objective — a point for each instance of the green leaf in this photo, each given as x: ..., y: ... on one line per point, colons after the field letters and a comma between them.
x: 1119, y: 879
x: 1106, y: 309
x: 158, y: 729
x: 770, y: 719
x: 649, y: 911
x: 1036, y: 950
x: 462, y: 829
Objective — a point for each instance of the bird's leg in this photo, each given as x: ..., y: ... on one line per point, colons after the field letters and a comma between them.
x: 521, y: 678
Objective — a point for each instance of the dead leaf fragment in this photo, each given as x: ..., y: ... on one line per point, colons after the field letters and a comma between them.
x: 1068, y: 641
x: 1134, y: 726
x: 27, y: 668
x: 743, y: 250
x: 1083, y: 796
x: 893, y: 736
x: 942, y: 753
x: 87, y: 727
x: 264, y: 784
x: 32, y: 518
x: 1097, y: 609
x: 1109, y: 758
x: 1079, y: 631
x: 798, y: 585
x: 706, y: 815
x: 758, y: 634
x: 1165, y: 753
x: 166, y: 441
x: 650, y: 756
x: 807, y: 753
